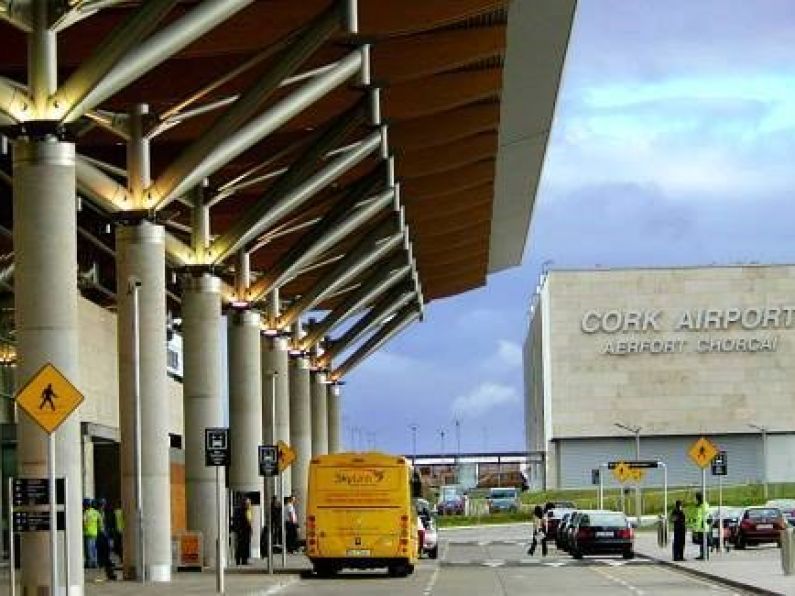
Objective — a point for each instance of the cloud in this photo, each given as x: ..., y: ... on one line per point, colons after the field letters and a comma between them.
x: 509, y: 353
x: 484, y: 398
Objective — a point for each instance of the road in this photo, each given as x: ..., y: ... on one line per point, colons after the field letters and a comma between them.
x: 492, y: 560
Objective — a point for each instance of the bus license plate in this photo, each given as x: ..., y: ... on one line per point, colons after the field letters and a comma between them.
x: 604, y: 534
x: 358, y: 552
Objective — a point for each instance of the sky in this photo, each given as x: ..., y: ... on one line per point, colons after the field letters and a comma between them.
x: 673, y: 144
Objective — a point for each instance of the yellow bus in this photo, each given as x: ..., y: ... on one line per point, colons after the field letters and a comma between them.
x: 360, y: 513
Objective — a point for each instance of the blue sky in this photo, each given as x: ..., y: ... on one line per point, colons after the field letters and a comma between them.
x: 673, y: 144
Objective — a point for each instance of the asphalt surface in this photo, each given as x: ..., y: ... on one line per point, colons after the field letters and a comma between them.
x: 494, y: 561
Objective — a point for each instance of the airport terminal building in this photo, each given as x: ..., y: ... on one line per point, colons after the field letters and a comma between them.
x: 680, y: 353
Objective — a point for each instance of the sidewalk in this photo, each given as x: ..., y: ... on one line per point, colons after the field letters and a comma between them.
x: 252, y: 579
x: 756, y: 569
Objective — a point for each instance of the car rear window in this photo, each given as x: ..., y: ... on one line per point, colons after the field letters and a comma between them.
x: 502, y: 494
x: 604, y: 519
x: 763, y: 513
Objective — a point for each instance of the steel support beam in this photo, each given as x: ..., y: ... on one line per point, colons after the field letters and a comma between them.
x: 249, y: 102
x: 120, y: 42
x: 383, y: 279
x: 374, y: 246
x: 330, y: 231
x: 15, y: 103
x: 388, y: 305
x: 157, y: 48
x: 16, y: 13
x: 104, y: 191
x: 405, y: 317
x: 265, y: 213
x: 165, y: 189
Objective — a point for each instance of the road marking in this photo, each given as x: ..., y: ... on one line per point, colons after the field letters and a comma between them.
x: 431, y: 582
x: 279, y: 587
x: 618, y: 581
x: 494, y: 563
x: 698, y: 580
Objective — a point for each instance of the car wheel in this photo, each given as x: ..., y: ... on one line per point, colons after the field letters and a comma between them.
x: 434, y: 552
x: 628, y: 554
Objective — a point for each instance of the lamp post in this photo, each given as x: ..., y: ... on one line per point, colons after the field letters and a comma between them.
x: 413, y: 428
x: 636, y: 431
x: 457, y: 423
x: 763, y: 430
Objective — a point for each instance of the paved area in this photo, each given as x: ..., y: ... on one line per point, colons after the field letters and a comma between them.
x: 758, y: 566
x: 485, y: 560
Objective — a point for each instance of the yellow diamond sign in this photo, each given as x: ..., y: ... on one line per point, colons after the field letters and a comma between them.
x: 49, y: 398
x: 286, y: 455
x: 622, y: 472
x: 703, y: 452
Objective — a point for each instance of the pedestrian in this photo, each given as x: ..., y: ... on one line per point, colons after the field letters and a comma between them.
x: 276, y: 522
x: 92, y: 522
x: 701, y: 525
x: 118, y: 535
x: 539, y: 530
x: 291, y: 525
x: 243, y: 527
x: 679, y: 523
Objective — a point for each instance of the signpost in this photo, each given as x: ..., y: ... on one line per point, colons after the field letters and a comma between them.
x: 49, y: 399
x: 268, y: 458
x: 216, y: 454
x: 286, y: 456
x: 720, y: 468
x: 702, y: 452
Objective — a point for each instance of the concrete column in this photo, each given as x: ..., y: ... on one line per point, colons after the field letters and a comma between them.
x: 45, y: 288
x: 275, y: 359
x: 300, y: 431
x: 319, y: 414
x: 201, y: 319
x: 334, y: 418
x: 245, y: 410
x: 140, y: 255
x: 89, y: 487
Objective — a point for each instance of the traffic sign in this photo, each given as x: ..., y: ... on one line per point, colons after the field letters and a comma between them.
x: 595, y: 474
x: 720, y: 464
x: 621, y: 471
x: 635, y: 464
x: 286, y: 455
x: 216, y: 446
x: 35, y: 491
x: 702, y: 452
x: 37, y: 521
x: 268, y: 460
x: 49, y: 398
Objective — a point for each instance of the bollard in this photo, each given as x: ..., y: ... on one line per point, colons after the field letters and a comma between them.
x: 662, y: 531
x: 788, y: 550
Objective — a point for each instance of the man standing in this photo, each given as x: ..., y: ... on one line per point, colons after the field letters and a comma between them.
x: 291, y: 523
x: 242, y: 526
x: 679, y: 523
x: 701, y: 526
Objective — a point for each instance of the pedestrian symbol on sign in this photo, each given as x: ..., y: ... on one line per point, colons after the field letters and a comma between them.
x: 47, y: 397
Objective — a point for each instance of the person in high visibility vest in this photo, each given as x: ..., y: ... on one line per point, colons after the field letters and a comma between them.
x: 701, y: 524
x: 92, y: 525
x: 118, y: 537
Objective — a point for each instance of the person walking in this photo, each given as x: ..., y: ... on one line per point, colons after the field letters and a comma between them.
x: 92, y: 523
x: 679, y: 523
x: 701, y: 525
x: 539, y: 530
x: 276, y: 522
x: 242, y: 527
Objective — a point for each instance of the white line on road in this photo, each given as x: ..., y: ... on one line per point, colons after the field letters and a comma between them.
x: 619, y: 581
x: 431, y: 582
x: 279, y: 587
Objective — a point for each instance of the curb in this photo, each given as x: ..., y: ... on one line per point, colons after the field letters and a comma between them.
x: 750, y: 588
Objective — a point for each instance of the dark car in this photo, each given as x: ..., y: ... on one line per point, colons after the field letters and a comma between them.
x: 567, y: 536
x: 787, y: 507
x: 554, y: 517
x: 561, y: 530
x: 759, y: 525
x: 602, y: 532
x: 731, y: 521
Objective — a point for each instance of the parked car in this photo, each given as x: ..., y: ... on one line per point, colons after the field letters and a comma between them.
x: 452, y: 500
x: 503, y: 499
x: 429, y: 544
x: 560, y: 531
x: 554, y: 518
x: 759, y: 525
x: 567, y: 537
x: 731, y: 521
x: 603, y: 532
x: 787, y: 507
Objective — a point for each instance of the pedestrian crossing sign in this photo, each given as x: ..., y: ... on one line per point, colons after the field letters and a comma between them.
x: 703, y: 452
x: 49, y: 398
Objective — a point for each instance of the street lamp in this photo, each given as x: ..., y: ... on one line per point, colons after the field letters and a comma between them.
x: 457, y: 423
x: 635, y: 430
x: 413, y: 428
x: 763, y: 430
